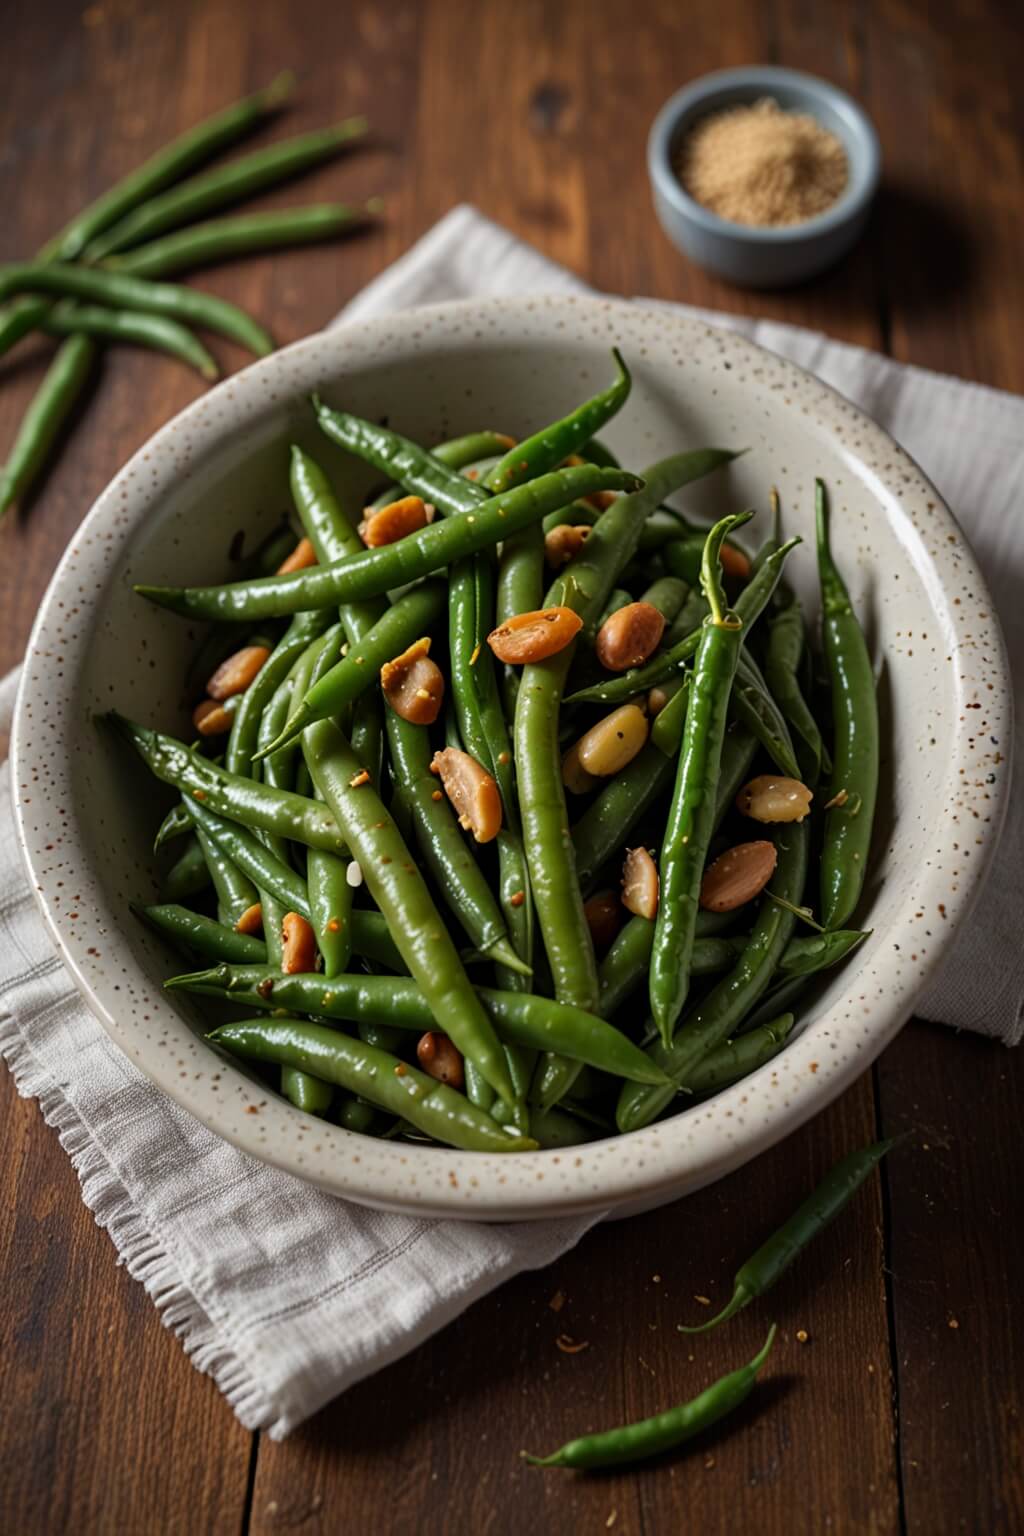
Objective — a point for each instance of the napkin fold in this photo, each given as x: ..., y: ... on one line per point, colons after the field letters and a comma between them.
x: 287, y: 1296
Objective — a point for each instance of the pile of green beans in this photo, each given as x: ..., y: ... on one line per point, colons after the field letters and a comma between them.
x: 398, y: 973
x: 101, y: 268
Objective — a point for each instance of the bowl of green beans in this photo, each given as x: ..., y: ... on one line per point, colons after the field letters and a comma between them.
x: 513, y: 758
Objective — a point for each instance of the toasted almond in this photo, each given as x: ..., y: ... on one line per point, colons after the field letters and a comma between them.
x: 394, y: 521
x: 657, y: 698
x: 413, y: 684
x: 251, y: 920
x: 614, y: 741
x: 640, y: 883
x: 211, y: 718
x: 629, y: 636
x: 602, y: 500
x: 298, y: 945
x: 574, y: 776
x: 301, y: 556
x: 439, y: 1058
x: 534, y: 636
x: 740, y: 874
x: 564, y: 542
x: 471, y: 790
x: 236, y: 673
x: 770, y: 797
x: 604, y: 918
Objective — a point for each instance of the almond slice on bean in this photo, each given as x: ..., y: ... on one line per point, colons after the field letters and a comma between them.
x: 413, y: 684
x: 302, y: 555
x: 236, y: 673
x: 298, y: 945
x: 564, y: 542
x: 471, y: 790
x: 640, y: 883
x: 439, y: 1058
x: 629, y: 636
x: 770, y: 797
x: 737, y: 876
x: 251, y: 920
x: 534, y: 636
x: 394, y: 521
x: 614, y: 741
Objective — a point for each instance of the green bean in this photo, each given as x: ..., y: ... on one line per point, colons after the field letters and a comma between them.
x: 19, y: 318
x: 214, y: 941
x: 203, y: 245
x: 781, y: 667
x: 691, y: 817
x: 456, y: 872
x: 854, y: 784
x: 70, y: 319
x: 167, y: 165
x: 650, y: 1437
x: 47, y: 413
x: 521, y: 1018
x: 356, y: 1115
x: 375, y: 571
x: 303, y: 630
x: 719, y: 1015
x: 308, y: 1093
x: 258, y: 806
x: 754, y: 707
x: 462, y: 452
x: 553, y: 1129
x: 232, y: 183
x: 236, y: 893
x: 667, y: 594
x: 775, y: 1256
x: 330, y: 905
x: 374, y: 1075
x: 401, y: 894
x: 814, y: 952
x: 410, y: 617
x: 136, y: 293
x: 736, y: 1059
x: 175, y: 824
x: 188, y: 876
x: 749, y: 606
x: 542, y: 452
x: 242, y: 849
x: 627, y: 961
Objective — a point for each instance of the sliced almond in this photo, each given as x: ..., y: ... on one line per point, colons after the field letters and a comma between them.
x: 770, y: 797
x: 640, y: 883
x: 471, y: 790
x: 236, y: 673
x: 629, y: 636
x: 574, y: 776
x: 740, y: 874
x: 413, y: 684
x: 395, y: 521
x: 211, y: 718
x: 534, y: 636
x: 614, y: 741
x: 439, y: 1058
x: 251, y: 920
x: 564, y: 543
x: 298, y: 945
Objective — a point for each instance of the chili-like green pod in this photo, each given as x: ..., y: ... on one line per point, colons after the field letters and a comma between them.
x: 854, y: 786
x: 774, y: 1257
x: 649, y: 1437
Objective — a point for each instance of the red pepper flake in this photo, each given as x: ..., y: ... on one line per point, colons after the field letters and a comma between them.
x: 358, y: 779
x: 570, y: 1346
x: 401, y: 1069
x: 333, y: 926
x: 265, y: 987
x: 437, y: 795
x: 476, y: 653
x: 517, y: 899
x: 199, y: 794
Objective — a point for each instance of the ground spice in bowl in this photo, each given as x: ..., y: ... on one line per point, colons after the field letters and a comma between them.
x: 757, y: 164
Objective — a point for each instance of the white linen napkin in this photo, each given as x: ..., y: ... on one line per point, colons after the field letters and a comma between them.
x: 287, y: 1296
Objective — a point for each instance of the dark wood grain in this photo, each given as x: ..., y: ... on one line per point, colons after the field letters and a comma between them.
x: 538, y: 114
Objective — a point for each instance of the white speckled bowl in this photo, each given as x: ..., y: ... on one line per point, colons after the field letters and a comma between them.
x: 86, y: 812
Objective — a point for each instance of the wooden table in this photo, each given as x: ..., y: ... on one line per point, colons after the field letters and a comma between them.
x: 901, y: 1410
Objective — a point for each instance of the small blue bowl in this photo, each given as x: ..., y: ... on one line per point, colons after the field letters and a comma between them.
x: 752, y: 256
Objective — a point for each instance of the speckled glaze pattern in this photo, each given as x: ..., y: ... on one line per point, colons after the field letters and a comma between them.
x: 86, y: 812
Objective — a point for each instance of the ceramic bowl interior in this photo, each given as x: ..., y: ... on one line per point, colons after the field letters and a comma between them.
x: 87, y: 812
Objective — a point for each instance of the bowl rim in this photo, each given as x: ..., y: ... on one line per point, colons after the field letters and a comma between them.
x: 663, y: 1160
x: 704, y: 91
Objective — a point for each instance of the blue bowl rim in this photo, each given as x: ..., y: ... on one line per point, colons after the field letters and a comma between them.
x: 865, y: 168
